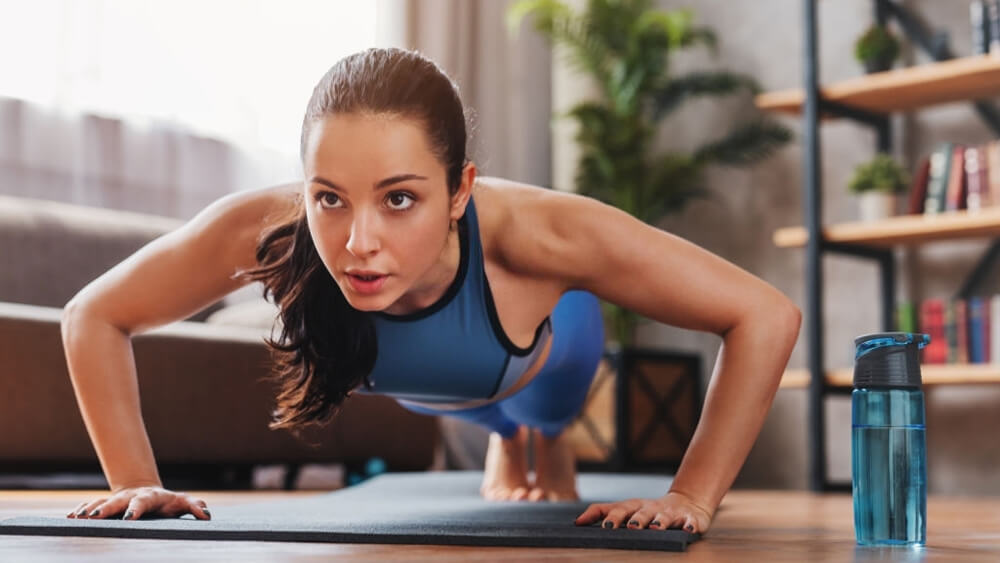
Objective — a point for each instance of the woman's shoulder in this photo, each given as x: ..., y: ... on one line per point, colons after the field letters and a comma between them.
x: 240, y: 218
x: 519, y: 223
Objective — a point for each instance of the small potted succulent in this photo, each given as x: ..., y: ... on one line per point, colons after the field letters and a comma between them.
x: 877, y: 49
x: 877, y: 184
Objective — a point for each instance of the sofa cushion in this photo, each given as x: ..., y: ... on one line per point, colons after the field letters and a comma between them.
x: 50, y: 250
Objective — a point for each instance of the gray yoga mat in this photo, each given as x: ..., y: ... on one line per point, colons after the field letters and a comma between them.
x: 438, y: 508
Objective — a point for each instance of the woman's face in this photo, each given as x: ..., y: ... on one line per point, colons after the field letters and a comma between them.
x: 377, y: 205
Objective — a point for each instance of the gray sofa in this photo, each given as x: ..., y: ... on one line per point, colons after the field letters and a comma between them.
x: 204, y: 401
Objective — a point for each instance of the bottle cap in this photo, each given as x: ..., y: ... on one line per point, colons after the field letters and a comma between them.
x: 888, y: 360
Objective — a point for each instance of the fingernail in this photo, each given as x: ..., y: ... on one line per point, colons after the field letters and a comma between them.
x: 81, y: 512
x: 689, y: 528
x: 205, y: 510
x: 128, y: 515
x: 633, y: 523
x: 655, y: 523
x: 95, y: 512
x: 609, y: 524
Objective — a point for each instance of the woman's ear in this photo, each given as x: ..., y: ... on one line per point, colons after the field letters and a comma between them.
x: 461, y: 197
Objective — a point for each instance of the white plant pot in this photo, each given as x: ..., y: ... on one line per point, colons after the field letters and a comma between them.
x: 875, y: 206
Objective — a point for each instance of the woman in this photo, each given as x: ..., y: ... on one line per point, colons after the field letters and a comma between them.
x: 398, y: 271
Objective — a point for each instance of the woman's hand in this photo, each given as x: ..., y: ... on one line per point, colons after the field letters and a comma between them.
x: 137, y: 501
x: 673, y: 510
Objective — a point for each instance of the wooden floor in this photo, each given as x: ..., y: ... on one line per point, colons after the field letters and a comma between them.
x: 750, y: 526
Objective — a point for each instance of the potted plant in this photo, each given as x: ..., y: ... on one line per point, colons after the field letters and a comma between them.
x: 877, y: 49
x: 877, y: 184
x: 625, y: 46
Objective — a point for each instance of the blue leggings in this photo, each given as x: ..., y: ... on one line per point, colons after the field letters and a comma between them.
x: 555, y: 396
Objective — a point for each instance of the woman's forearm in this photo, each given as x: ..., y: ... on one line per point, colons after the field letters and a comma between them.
x: 751, y: 361
x: 102, y: 369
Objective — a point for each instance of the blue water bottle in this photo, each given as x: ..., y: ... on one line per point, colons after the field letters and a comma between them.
x: 888, y: 453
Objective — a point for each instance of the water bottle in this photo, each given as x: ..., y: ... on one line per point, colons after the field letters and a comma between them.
x: 888, y: 453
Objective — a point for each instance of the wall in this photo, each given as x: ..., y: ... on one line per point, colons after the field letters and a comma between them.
x: 764, y: 39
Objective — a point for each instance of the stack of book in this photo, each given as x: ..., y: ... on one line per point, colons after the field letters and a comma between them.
x: 957, y: 176
x: 960, y: 329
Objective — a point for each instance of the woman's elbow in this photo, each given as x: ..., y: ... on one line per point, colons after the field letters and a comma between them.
x: 787, y: 319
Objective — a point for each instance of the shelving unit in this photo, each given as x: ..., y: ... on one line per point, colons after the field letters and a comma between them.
x: 870, y: 99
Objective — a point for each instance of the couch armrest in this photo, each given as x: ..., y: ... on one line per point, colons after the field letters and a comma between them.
x: 204, y: 400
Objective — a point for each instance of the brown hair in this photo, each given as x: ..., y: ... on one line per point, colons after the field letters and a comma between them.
x: 327, y: 348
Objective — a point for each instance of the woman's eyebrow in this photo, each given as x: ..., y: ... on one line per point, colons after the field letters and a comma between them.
x: 378, y: 186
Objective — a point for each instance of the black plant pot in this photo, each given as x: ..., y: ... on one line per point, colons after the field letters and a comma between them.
x: 877, y: 65
x: 657, y: 406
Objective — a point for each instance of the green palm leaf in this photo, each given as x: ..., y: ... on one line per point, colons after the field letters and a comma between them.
x: 669, y: 96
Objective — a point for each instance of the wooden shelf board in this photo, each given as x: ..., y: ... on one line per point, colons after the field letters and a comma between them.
x: 933, y: 374
x: 967, y: 78
x: 905, y: 229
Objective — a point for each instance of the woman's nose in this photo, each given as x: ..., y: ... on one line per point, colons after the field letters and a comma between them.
x: 364, y: 238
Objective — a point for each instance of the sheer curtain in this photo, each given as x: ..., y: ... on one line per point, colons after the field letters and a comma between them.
x: 162, y: 107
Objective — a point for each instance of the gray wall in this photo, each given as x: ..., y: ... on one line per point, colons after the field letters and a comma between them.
x: 764, y: 39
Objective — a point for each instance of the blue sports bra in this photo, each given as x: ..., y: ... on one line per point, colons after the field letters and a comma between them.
x: 455, y: 349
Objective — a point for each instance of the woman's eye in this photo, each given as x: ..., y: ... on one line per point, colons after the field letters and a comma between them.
x: 400, y: 201
x: 325, y: 201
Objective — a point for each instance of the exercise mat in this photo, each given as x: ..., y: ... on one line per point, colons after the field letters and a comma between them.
x: 437, y: 508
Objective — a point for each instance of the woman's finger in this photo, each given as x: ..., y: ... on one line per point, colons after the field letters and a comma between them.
x: 89, y: 508
x: 198, y: 508
x: 594, y: 513
x: 640, y: 519
x: 139, y: 505
x: 616, y: 518
x: 114, y: 506
x: 77, y: 509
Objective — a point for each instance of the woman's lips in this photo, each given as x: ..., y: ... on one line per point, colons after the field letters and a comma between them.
x: 366, y: 284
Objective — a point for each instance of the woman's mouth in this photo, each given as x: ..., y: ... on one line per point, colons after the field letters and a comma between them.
x: 367, y: 283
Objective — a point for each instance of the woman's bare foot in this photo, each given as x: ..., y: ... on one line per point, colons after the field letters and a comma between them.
x: 506, y: 473
x: 555, y: 469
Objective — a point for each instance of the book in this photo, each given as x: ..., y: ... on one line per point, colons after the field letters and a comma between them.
x: 932, y: 324
x: 918, y: 189
x: 993, y: 24
x: 992, y: 161
x: 976, y: 197
x: 978, y: 317
x: 960, y: 354
x: 937, y: 180
x: 906, y: 320
x: 995, y: 328
x: 955, y: 192
x: 980, y: 28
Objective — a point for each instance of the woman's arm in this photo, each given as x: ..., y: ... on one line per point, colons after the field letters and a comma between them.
x: 589, y: 245
x: 169, y: 279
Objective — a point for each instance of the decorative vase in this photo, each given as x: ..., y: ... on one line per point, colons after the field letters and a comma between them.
x: 876, y: 205
x: 878, y: 65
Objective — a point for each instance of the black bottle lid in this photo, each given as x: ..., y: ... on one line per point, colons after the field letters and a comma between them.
x: 888, y: 360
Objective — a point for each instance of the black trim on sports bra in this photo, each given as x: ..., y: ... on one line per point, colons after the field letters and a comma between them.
x: 453, y: 289
x: 498, y: 330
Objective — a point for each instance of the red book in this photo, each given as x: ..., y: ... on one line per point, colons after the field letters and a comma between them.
x: 918, y: 189
x: 932, y: 323
x: 956, y: 190
x: 961, y: 331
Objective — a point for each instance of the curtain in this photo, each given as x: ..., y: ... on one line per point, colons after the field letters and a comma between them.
x: 162, y: 107
x: 504, y: 80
